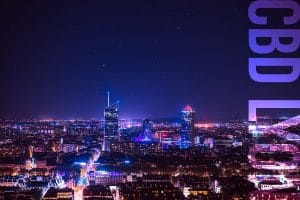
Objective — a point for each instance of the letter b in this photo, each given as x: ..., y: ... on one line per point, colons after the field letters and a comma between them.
x: 274, y: 35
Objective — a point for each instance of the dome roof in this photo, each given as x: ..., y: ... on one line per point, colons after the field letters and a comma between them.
x: 187, y: 108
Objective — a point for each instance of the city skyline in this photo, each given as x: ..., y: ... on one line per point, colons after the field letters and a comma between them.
x: 151, y: 100
x: 284, y: 114
x: 273, y: 113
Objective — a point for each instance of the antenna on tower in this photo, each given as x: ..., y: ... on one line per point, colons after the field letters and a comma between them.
x: 108, y: 93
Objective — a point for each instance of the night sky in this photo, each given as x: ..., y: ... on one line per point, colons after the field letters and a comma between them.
x: 58, y: 59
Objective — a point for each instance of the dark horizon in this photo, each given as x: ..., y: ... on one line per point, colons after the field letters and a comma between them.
x: 58, y: 60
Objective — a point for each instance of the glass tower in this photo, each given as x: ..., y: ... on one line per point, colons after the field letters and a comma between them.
x: 111, y: 121
x: 187, y: 127
x: 147, y: 128
x: 111, y: 124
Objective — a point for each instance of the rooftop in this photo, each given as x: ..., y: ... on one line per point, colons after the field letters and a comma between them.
x: 187, y: 108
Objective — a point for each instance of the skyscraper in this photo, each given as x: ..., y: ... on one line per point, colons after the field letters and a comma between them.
x: 187, y: 127
x: 111, y: 124
x: 147, y: 128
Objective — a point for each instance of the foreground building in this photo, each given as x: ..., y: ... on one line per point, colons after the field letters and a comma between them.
x: 59, y: 194
x: 288, y: 194
x: 97, y: 192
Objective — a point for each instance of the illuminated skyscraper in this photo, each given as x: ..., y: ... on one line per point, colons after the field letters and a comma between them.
x: 111, y: 124
x: 147, y: 128
x: 187, y: 127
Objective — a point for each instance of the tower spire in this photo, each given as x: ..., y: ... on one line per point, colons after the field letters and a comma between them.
x: 108, y: 93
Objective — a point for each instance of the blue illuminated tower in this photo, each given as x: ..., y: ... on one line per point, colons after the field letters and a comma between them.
x: 147, y: 128
x: 111, y: 124
x: 187, y: 127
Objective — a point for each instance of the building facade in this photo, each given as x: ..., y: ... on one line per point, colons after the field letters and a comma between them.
x: 111, y: 124
x: 187, y: 127
x: 147, y: 129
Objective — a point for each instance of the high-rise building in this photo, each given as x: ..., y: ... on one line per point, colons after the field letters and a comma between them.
x: 111, y: 124
x: 147, y: 128
x: 187, y: 127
